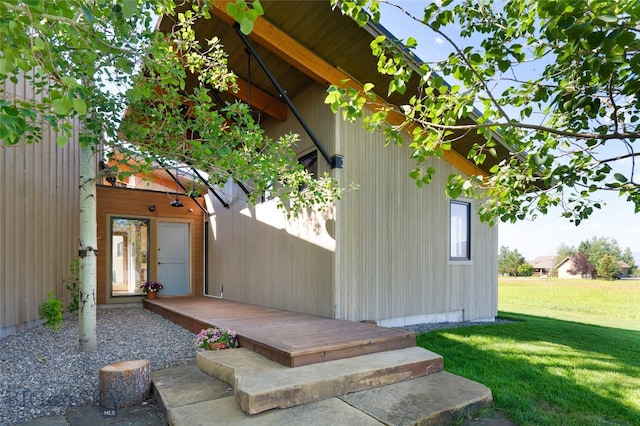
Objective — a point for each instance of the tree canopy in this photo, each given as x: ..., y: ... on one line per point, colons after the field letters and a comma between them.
x: 556, y: 81
x: 510, y: 261
x: 607, y: 267
x: 588, y: 255
x: 99, y: 61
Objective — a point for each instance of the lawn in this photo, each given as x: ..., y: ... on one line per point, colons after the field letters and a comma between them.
x: 607, y: 303
x: 551, y: 371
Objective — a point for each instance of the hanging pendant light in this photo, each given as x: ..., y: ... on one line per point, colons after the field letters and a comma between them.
x: 176, y: 202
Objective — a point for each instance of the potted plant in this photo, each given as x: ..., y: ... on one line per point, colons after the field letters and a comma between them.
x: 151, y: 289
x: 215, y: 338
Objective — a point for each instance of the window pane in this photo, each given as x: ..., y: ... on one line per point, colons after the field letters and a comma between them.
x: 129, y: 254
x: 460, y: 230
x: 310, y: 163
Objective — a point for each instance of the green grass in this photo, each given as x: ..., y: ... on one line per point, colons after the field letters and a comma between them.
x: 549, y: 371
x: 607, y: 303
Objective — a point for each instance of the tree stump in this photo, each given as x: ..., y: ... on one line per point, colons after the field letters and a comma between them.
x: 124, y: 384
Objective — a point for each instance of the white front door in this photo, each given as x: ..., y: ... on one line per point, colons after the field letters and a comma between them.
x: 173, y: 258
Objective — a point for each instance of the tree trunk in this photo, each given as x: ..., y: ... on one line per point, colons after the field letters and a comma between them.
x: 124, y: 384
x: 87, y: 340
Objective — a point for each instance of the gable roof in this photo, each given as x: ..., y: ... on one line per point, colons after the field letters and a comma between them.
x: 302, y: 42
x: 623, y: 264
x: 543, y: 262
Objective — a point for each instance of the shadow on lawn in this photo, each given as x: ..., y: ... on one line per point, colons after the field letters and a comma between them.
x: 547, y: 371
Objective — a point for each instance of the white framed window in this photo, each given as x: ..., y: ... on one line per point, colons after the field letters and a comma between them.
x: 459, y: 230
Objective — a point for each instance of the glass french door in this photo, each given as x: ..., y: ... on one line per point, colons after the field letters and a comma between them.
x: 129, y: 255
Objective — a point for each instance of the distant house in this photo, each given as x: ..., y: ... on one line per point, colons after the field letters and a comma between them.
x: 563, y: 269
x: 566, y: 265
x: 624, y: 268
x: 543, y: 265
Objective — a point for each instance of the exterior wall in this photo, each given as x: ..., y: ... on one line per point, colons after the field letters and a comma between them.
x: 260, y: 258
x: 39, y: 222
x: 563, y: 271
x: 392, y: 254
x: 390, y: 262
x: 135, y: 203
x: 257, y: 255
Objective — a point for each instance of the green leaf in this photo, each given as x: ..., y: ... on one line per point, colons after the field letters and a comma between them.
x: 620, y: 177
x: 87, y: 13
x: 246, y: 26
x: 62, y: 106
x: 258, y: 7
x: 6, y: 66
x: 61, y: 140
x: 608, y: 18
x: 232, y: 9
x: 129, y: 8
x: 80, y: 106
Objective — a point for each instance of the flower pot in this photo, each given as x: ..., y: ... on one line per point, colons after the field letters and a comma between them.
x: 214, y: 346
x: 152, y: 295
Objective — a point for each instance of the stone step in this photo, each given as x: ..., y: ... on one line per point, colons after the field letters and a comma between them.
x: 260, y: 384
x: 190, y: 397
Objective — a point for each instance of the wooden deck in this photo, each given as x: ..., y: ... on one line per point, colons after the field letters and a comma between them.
x: 290, y: 338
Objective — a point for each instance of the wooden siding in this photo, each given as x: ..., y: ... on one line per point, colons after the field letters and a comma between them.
x: 123, y: 202
x: 260, y: 257
x: 392, y: 252
x: 39, y: 217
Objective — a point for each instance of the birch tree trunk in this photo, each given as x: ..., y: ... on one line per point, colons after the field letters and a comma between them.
x: 87, y: 340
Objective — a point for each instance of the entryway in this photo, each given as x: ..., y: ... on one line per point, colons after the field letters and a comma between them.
x: 173, y: 258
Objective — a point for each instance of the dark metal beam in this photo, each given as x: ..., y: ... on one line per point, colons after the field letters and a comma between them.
x: 177, y: 181
x: 330, y: 160
x: 210, y: 188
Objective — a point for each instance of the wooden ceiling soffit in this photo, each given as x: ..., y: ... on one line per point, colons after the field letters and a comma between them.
x: 288, y: 49
x: 260, y: 100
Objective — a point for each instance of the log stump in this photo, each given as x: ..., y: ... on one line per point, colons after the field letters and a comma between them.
x: 124, y: 384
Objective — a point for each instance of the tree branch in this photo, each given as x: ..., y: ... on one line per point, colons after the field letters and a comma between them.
x: 539, y: 128
x: 464, y: 58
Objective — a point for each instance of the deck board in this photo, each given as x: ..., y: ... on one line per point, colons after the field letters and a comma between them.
x: 290, y: 338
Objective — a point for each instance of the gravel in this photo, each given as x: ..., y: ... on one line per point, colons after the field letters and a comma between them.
x: 42, y: 373
x: 425, y: 328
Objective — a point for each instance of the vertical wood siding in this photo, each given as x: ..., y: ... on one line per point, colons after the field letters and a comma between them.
x: 393, y: 240
x: 261, y: 258
x: 39, y: 216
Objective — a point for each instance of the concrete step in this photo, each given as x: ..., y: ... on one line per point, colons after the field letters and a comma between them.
x: 260, y: 384
x: 190, y: 397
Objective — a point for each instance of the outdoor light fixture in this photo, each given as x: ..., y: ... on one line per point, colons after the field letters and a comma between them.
x: 176, y: 202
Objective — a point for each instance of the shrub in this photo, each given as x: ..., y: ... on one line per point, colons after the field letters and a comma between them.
x: 51, y: 312
x: 525, y: 270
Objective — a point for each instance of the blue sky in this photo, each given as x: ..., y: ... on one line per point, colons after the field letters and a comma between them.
x: 543, y: 236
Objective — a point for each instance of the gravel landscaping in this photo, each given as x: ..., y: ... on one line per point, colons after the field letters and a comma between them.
x: 42, y: 373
